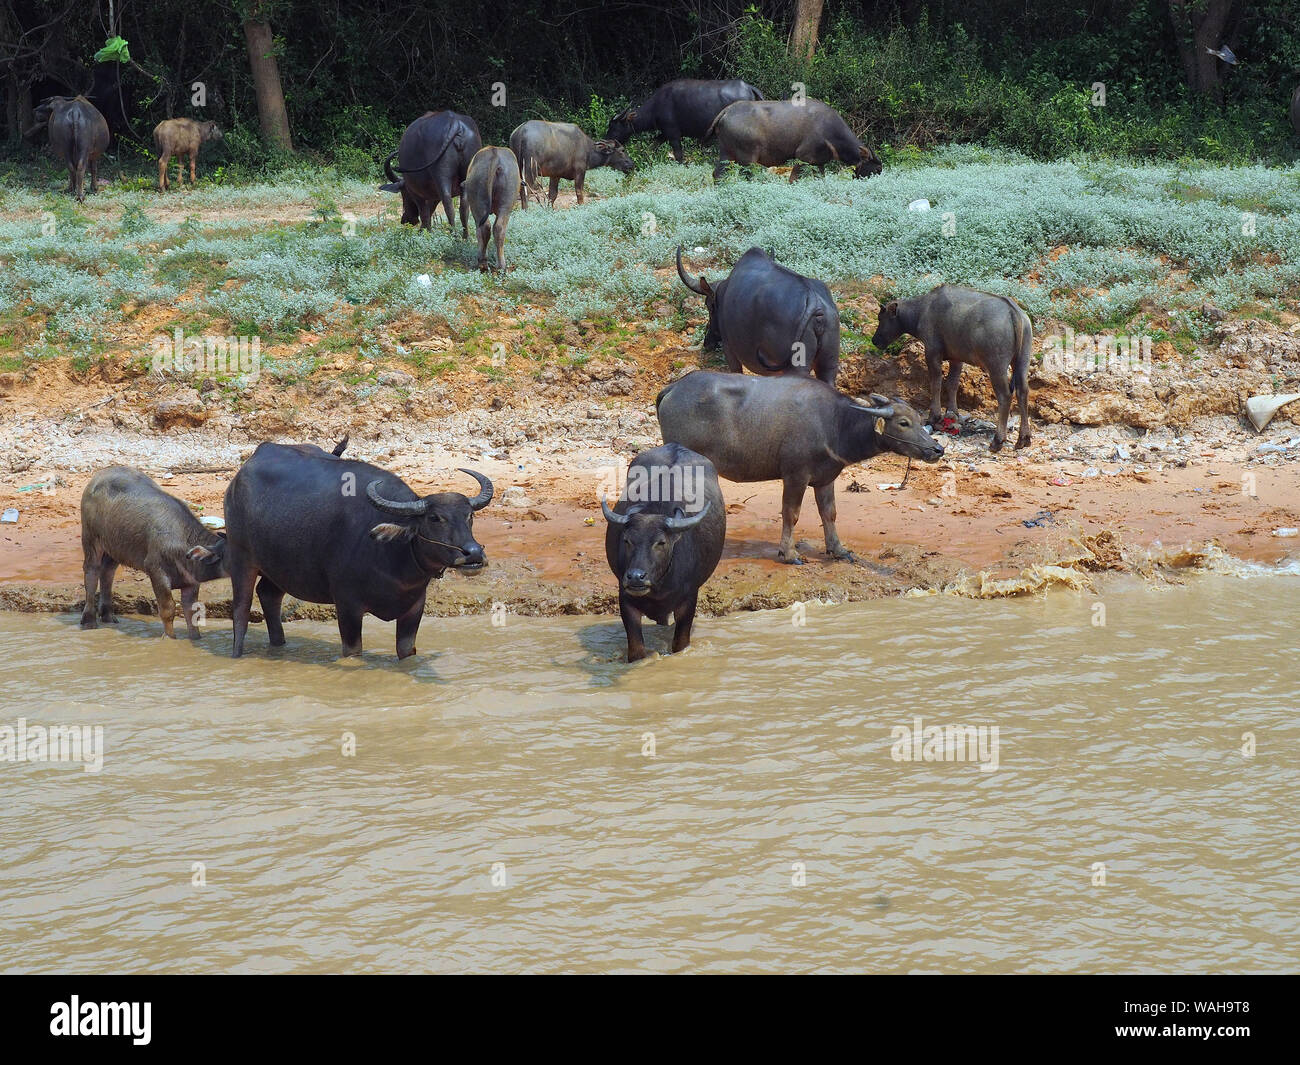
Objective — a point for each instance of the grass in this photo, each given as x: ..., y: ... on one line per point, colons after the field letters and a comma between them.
x: 1092, y: 242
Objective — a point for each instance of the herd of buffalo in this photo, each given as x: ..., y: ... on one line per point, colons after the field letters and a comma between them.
x: 373, y: 545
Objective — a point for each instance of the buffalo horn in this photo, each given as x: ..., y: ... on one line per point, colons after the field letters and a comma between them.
x: 485, y: 495
x: 405, y: 509
x: 681, y: 272
x: 678, y: 524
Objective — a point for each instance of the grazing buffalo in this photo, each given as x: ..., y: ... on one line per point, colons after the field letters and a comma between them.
x: 558, y: 150
x: 663, y: 540
x: 962, y: 325
x: 78, y: 136
x: 126, y: 519
x: 326, y: 529
x: 791, y: 429
x: 433, y: 157
x: 181, y: 137
x: 490, y: 189
x: 683, y: 108
x: 769, y: 132
x: 770, y: 320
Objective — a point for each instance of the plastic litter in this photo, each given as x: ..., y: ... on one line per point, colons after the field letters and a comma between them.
x: 919, y: 205
x: 1286, y: 532
x: 1260, y: 409
x: 10, y: 516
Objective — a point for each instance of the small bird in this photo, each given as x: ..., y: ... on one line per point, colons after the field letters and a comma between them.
x: 1223, y: 52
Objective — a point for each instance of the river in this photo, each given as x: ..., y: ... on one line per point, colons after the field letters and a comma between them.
x: 516, y: 797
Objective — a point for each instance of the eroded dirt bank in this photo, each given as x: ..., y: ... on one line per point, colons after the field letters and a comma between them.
x: 1134, y: 474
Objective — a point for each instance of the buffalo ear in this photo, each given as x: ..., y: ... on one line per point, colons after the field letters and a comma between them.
x: 891, y: 307
x: 201, y: 554
x: 705, y: 287
x: 630, y: 114
x: 880, y: 426
x: 389, y: 530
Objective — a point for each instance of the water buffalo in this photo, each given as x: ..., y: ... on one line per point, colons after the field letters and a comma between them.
x: 770, y: 320
x: 962, y: 325
x: 181, y: 137
x: 796, y: 430
x: 331, y: 530
x: 433, y: 157
x: 490, y: 189
x: 769, y: 132
x: 683, y: 108
x: 663, y: 540
x: 78, y: 136
x: 558, y: 150
x: 126, y: 519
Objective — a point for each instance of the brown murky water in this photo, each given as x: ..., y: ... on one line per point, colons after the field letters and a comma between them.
x: 523, y: 745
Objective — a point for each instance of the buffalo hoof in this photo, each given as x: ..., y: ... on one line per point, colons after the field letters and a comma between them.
x: 790, y: 560
x: 108, y: 619
x: 996, y: 446
x: 1022, y: 442
x: 843, y: 555
x: 89, y: 622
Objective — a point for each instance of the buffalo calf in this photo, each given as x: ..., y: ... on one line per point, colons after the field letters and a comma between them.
x: 181, y: 137
x: 126, y: 519
x: 962, y: 325
x: 490, y: 189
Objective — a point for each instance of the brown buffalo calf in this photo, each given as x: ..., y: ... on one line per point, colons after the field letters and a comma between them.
x: 181, y: 137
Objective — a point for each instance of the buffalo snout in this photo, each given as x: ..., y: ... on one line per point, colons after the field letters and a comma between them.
x: 636, y: 582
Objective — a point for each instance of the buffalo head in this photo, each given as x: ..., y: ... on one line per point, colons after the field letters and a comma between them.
x: 610, y: 153
x: 900, y: 429
x: 711, y: 294
x: 211, y: 557
x: 868, y: 165
x: 889, y: 326
x: 621, y: 126
x: 647, y: 544
x: 438, y: 527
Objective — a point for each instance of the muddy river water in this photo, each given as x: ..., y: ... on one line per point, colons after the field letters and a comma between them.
x: 517, y: 798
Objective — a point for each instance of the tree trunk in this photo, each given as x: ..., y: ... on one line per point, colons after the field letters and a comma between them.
x: 807, y: 21
x: 272, y: 116
x: 1198, y: 25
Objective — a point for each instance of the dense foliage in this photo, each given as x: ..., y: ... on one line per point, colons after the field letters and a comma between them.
x: 1002, y: 72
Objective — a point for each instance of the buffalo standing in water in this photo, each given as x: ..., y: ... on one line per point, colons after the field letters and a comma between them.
x: 126, y: 519
x: 330, y: 530
x: 770, y: 320
x: 663, y: 540
x: 682, y: 108
x: 433, y: 157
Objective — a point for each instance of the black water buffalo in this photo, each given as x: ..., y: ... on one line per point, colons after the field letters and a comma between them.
x: 962, y: 325
x: 663, y: 540
x: 770, y: 320
x: 796, y: 430
x: 326, y: 529
x: 126, y: 519
x: 769, y: 132
x: 78, y: 136
x: 490, y: 189
x: 558, y: 150
x: 432, y: 157
x: 683, y: 108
